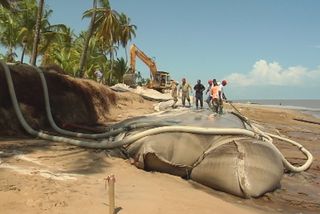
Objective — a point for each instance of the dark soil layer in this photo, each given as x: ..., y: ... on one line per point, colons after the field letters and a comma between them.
x: 73, y: 100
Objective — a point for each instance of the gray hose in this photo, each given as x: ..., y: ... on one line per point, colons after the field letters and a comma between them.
x: 187, y: 129
x: 268, y: 138
x: 226, y: 131
x: 287, y: 164
x: 110, y: 132
x: 23, y: 122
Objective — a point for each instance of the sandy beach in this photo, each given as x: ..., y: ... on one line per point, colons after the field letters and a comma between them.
x: 103, y: 91
x: 37, y: 176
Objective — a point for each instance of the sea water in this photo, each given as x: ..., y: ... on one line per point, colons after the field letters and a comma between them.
x: 306, y: 106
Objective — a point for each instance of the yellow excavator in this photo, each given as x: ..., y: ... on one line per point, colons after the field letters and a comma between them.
x: 159, y: 80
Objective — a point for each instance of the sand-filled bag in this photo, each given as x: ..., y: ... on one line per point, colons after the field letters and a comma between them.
x: 242, y: 167
x: 173, y: 153
x: 234, y: 163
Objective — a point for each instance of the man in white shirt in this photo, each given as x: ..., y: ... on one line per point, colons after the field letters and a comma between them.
x: 222, y: 95
x: 208, y: 100
x: 98, y: 75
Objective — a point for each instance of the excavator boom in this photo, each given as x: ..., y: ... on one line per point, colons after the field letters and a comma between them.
x: 136, y: 52
x: 160, y: 80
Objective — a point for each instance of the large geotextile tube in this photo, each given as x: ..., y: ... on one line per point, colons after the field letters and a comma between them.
x: 258, y: 134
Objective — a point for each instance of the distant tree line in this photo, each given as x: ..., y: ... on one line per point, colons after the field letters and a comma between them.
x: 25, y: 28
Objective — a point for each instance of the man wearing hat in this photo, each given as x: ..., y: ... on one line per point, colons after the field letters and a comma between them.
x: 174, y: 92
x: 185, y: 87
x: 222, y: 95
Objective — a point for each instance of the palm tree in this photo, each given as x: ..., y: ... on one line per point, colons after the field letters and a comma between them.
x: 107, y: 24
x: 24, y: 45
x: 83, y: 58
x: 127, y: 30
x: 66, y: 37
x: 120, y: 68
x: 49, y: 33
x: 106, y: 28
x: 97, y: 57
x: 17, y: 29
x: 60, y: 51
x: 11, y: 5
x: 112, y: 51
x: 67, y: 59
x: 52, y: 34
x: 5, y: 4
x: 61, y: 39
x: 10, y: 31
x: 37, y: 33
x: 26, y: 19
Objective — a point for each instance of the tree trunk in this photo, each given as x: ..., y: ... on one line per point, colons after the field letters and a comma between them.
x: 10, y: 55
x: 37, y: 34
x: 24, y: 44
x: 83, y: 58
x: 5, y: 4
x: 126, y: 51
x: 22, y: 55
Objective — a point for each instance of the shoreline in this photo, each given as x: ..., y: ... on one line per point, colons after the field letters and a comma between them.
x: 304, y: 103
x: 315, y: 112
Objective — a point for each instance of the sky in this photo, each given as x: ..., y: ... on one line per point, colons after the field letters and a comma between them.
x: 265, y: 49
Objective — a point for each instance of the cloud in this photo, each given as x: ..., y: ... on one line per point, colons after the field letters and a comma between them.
x: 264, y: 74
x: 317, y: 46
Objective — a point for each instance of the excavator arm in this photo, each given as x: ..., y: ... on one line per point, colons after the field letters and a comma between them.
x: 136, y: 52
x: 160, y: 80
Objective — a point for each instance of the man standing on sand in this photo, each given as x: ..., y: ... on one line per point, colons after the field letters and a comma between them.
x: 98, y: 75
x: 185, y: 87
x: 208, y: 100
x: 199, y: 88
x: 215, y: 94
x: 222, y: 95
x: 174, y: 92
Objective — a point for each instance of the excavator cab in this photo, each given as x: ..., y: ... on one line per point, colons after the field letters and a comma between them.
x: 161, y: 81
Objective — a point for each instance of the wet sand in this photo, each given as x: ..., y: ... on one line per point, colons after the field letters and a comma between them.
x: 48, y: 177
x: 299, y: 192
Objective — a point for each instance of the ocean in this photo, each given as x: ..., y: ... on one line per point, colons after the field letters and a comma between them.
x: 306, y: 106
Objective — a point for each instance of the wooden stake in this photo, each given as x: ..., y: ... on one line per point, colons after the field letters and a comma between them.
x: 111, y: 189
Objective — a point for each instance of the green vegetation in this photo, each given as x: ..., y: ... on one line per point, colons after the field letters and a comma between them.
x: 79, y: 55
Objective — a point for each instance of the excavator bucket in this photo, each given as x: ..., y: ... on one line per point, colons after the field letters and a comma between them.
x: 130, y: 79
